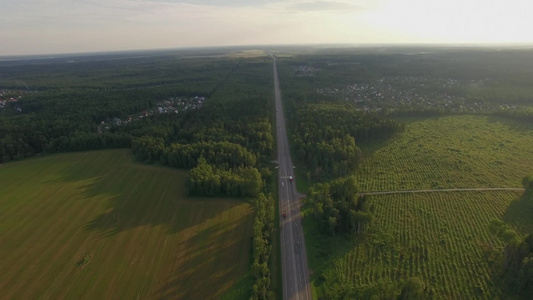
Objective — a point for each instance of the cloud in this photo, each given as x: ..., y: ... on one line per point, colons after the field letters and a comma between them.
x: 325, y: 6
x: 47, y: 26
x: 230, y: 3
x: 223, y: 3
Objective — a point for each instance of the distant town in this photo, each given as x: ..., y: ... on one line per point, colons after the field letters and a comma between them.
x: 397, y: 93
x: 171, y: 105
x: 11, y: 96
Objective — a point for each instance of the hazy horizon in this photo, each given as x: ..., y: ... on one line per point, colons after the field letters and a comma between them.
x: 498, y: 46
x: 33, y: 27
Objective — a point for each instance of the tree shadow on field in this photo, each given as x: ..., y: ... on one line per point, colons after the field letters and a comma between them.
x: 515, y: 125
x: 209, y: 263
x: 323, y: 250
x: 210, y: 238
x: 369, y: 148
x: 520, y: 214
x: 136, y: 194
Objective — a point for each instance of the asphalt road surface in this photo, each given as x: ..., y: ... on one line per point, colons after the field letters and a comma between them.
x: 295, y: 273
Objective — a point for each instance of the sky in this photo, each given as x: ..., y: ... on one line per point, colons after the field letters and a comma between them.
x: 66, y: 26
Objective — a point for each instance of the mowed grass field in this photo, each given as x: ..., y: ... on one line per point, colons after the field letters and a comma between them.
x: 96, y: 225
x: 450, y: 152
x: 440, y: 238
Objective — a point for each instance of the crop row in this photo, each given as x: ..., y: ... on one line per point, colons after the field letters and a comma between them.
x: 451, y: 152
x: 441, y: 238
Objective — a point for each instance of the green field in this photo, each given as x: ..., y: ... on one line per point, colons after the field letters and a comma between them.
x: 96, y: 225
x: 450, y: 152
x: 441, y: 238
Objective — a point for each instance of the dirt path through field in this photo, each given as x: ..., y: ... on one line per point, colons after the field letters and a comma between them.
x: 442, y: 190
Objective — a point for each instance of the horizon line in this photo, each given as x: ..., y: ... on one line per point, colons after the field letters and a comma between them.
x: 506, y: 45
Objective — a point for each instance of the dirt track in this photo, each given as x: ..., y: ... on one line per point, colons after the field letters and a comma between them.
x: 441, y: 190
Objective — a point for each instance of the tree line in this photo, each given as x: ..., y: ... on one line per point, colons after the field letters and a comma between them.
x: 223, y: 155
x: 207, y: 180
x: 264, y: 234
x: 24, y: 136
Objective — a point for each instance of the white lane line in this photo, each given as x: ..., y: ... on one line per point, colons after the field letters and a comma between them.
x: 296, y: 231
x: 283, y: 167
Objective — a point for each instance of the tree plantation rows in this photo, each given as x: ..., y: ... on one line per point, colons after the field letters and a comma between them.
x: 451, y: 152
x: 441, y: 238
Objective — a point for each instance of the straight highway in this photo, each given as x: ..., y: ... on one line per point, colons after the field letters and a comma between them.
x: 295, y: 273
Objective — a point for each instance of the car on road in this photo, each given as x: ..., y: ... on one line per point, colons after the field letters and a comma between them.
x: 283, y: 184
x: 290, y: 178
x: 284, y: 214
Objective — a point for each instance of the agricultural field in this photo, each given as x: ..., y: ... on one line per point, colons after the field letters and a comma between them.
x: 96, y: 225
x: 450, y: 152
x: 441, y: 238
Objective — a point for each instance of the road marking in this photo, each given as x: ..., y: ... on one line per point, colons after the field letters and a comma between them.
x: 299, y: 288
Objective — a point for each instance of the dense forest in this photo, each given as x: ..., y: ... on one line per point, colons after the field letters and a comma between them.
x: 60, y: 104
x: 215, y: 109
x: 329, y: 147
x: 226, y: 142
x: 338, y: 207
